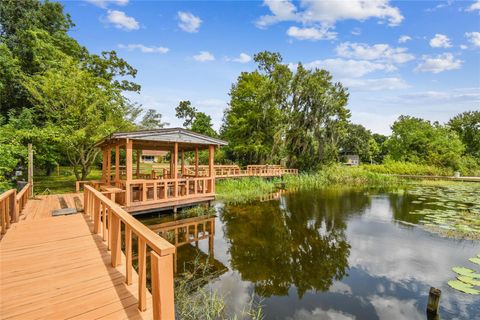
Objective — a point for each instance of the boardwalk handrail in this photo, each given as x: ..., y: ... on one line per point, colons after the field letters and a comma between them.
x: 22, y: 198
x: 11, y: 205
x: 107, y: 219
x: 8, y: 208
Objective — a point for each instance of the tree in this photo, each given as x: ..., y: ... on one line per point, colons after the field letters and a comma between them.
x: 185, y: 111
x: 467, y: 126
x: 419, y: 141
x: 152, y: 120
x: 250, y: 122
x: 357, y: 141
x: 85, y: 108
x: 203, y: 124
x: 276, y: 114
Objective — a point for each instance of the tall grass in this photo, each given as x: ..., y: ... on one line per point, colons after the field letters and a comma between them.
x: 244, y: 189
x: 194, y: 300
x: 408, y: 168
x: 336, y: 175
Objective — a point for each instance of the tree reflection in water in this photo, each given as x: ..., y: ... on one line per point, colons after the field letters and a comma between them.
x: 298, y: 240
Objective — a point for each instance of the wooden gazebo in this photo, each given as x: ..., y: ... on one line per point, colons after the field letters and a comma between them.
x: 174, y: 185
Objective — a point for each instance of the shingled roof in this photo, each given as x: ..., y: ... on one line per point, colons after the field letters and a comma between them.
x: 164, y: 136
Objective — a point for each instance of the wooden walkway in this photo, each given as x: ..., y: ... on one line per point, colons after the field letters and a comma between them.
x: 55, y: 268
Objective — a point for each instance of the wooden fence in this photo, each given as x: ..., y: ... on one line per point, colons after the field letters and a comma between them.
x: 11, y: 205
x: 107, y: 218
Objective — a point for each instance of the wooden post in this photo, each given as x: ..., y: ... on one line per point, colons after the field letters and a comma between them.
x: 128, y: 168
x: 104, y: 164
x: 162, y: 286
x: 138, y: 163
x: 196, y: 161
x: 142, y: 274
x: 109, y: 164
x: 116, y: 241
x: 433, y: 301
x: 128, y: 254
x: 183, y: 162
x: 117, y: 163
x: 211, y: 159
x: 175, y: 169
x: 30, y: 168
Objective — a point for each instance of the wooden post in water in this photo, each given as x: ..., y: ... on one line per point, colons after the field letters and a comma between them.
x: 30, y: 168
x: 433, y: 302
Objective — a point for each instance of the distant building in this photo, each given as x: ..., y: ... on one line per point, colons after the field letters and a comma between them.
x: 352, y: 160
x: 153, y: 156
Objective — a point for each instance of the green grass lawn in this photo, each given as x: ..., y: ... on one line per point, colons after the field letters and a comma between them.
x: 64, y: 180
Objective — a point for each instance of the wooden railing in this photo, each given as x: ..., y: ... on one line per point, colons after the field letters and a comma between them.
x: 107, y: 219
x: 162, y: 190
x: 11, y: 205
x: 22, y: 198
x: 8, y: 209
x: 79, y: 184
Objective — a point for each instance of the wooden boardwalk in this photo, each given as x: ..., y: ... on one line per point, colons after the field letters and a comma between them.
x: 55, y: 268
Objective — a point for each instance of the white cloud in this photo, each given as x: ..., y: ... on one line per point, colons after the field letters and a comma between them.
x: 342, y: 68
x: 312, y: 33
x: 404, y: 39
x: 381, y: 52
x: 392, y: 83
x: 474, y: 6
x: 440, y: 41
x: 396, y: 309
x: 104, y: 3
x: 356, y: 31
x: 439, y: 63
x: 473, y: 38
x: 204, y: 56
x: 143, y: 48
x: 121, y: 21
x: 318, y: 313
x: 329, y: 12
x: 463, y: 47
x: 188, y: 22
x: 242, y: 58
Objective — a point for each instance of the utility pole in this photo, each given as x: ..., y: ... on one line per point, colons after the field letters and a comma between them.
x: 30, y: 168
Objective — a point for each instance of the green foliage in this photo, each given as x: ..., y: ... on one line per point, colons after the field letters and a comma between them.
x: 66, y: 98
x: 408, y: 168
x: 203, y: 124
x: 194, y: 120
x: 337, y: 175
x: 151, y: 120
x: 244, y: 189
x: 419, y: 141
x: 358, y: 140
x: 276, y: 114
x: 467, y: 126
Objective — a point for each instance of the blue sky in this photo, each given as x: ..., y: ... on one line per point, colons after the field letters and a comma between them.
x: 419, y: 58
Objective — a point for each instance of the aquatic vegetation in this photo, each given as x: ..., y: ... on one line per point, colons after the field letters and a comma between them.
x: 450, y: 210
x: 468, y: 281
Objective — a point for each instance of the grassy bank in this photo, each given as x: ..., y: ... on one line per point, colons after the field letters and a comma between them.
x: 407, y: 168
x: 247, y: 189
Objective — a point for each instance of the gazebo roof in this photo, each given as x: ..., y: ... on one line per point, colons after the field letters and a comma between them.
x: 163, y: 138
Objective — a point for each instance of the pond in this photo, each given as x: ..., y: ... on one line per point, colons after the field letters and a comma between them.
x: 332, y: 253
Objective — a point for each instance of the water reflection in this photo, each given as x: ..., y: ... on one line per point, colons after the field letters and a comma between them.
x: 328, y: 254
x: 301, y: 245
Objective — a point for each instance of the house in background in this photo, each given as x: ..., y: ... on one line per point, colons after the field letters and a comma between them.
x: 352, y: 160
x: 153, y: 156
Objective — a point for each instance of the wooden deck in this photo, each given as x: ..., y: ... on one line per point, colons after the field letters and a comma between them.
x: 55, y: 268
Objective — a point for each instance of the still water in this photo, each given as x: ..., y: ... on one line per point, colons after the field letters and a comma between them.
x: 326, y: 254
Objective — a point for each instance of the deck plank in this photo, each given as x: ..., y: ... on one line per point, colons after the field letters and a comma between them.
x: 55, y: 268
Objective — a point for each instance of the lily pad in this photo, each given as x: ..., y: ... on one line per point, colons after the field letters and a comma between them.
x: 469, y: 280
x: 463, y: 271
x: 475, y: 260
x: 463, y: 287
